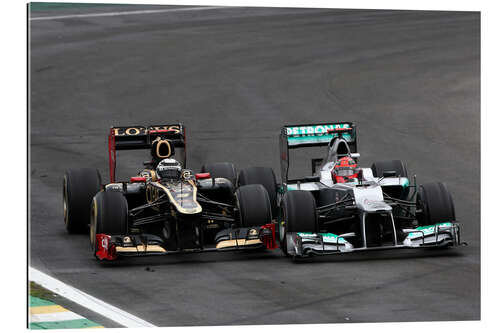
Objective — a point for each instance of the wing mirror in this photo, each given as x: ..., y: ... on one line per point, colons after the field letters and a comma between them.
x: 137, y: 179
x: 312, y: 178
x: 348, y: 235
x: 389, y: 174
x: 355, y: 155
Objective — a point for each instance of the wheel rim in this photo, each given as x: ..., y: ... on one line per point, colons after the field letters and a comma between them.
x: 240, y: 215
x: 282, y: 228
x: 93, y: 222
x: 65, y: 201
x: 283, y: 232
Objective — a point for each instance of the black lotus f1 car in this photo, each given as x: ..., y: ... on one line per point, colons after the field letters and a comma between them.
x: 167, y: 208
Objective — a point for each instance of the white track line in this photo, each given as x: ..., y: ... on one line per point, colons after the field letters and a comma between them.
x: 104, y: 309
x: 131, y: 12
x: 56, y: 316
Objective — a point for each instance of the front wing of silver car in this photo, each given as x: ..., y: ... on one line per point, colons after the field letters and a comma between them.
x: 303, y: 244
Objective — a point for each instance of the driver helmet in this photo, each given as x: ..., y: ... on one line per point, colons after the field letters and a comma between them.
x: 169, y: 168
x: 345, y: 170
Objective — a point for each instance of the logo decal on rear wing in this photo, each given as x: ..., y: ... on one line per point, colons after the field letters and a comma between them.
x: 143, y: 130
x: 320, y: 134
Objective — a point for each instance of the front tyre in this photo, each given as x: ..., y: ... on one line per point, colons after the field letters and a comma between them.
x: 265, y: 177
x: 435, y: 204
x: 299, y: 214
x: 109, y: 215
x: 252, y: 202
x: 79, y: 186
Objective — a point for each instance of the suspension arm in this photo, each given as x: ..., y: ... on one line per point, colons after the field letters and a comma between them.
x: 202, y: 199
x: 150, y: 219
x: 344, y: 203
x: 139, y: 209
x: 337, y: 220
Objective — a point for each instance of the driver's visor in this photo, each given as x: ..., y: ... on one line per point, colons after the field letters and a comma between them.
x: 344, y: 172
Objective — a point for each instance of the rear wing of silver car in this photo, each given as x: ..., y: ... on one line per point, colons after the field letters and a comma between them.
x: 313, y: 135
x: 142, y: 137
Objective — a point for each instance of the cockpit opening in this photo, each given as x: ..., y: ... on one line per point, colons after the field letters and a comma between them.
x: 342, y: 149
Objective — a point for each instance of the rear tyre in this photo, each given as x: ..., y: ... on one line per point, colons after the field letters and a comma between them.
x: 221, y: 170
x: 436, y: 204
x: 265, y: 177
x: 395, y: 191
x: 378, y: 168
x: 109, y: 215
x: 253, y: 205
x: 298, y: 214
x: 79, y: 186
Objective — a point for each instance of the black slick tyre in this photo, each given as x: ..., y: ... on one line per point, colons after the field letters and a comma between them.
x: 221, y: 170
x: 435, y: 204
x: 264, y: 176
x: 378, y: 168
x: 79, y: 186
x: 109, y: 215
x: 252, y: 202
x: 299, y: 214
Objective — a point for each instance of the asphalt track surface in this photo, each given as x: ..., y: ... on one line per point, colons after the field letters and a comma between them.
x: 234, y: 76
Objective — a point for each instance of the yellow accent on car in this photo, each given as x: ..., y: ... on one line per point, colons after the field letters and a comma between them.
x: 237, y: 242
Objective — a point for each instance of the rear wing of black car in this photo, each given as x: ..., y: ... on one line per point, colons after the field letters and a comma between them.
x: 313, y: 135
x: 141, y: 137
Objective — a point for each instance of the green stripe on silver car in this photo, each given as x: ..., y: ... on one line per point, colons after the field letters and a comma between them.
x: 429, y: 229
x: 327, y: 237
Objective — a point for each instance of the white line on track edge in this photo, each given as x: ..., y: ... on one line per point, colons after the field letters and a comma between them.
x: 54, y: 316
x: 131, y: 12
x: 102, y: 308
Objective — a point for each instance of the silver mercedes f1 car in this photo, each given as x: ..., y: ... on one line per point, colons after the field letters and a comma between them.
x: 344, y: 208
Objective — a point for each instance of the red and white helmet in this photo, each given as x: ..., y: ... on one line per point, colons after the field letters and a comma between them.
x: 345, y: 170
